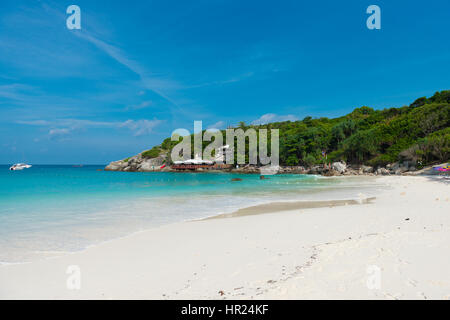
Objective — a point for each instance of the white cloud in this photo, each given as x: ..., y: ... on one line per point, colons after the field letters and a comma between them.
x: 35, y: 122
x: 151, y: 82
x: 15, y: 91
x: 142, y: 105
x: 141, y: 127
x: 238, y: 78
x: 58, y: 132
x: 272, y: 117
x: 217, y: 125
x: 227, y: 81
x: 68, y: 123
x: 65, y: 126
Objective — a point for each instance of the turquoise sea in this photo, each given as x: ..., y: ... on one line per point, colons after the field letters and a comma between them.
x: 50, y: 210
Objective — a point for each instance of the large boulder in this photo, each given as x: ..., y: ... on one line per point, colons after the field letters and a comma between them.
x: 366, y: 169
x: 339, y: 167
x: 331, y: 173
x: 382, y: 171
x: 147, y: 166
x: 315, y: 170
x: 116, y: 166
x: 351, y: 172
x: 270, y: 170
x: 298, y: 169
x: 400, y: 167
x: 249, y: 169
x: 401, y: 170
x: 151, y: 164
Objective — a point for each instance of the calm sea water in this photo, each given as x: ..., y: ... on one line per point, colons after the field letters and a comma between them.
x: 50, y: 210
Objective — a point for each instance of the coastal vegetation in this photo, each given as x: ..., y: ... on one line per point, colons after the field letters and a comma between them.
x: 419, y: 133
x: 152, y: 153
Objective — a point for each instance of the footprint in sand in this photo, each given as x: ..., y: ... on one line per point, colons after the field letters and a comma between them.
x: 411, y: 282
x: 422, y: 295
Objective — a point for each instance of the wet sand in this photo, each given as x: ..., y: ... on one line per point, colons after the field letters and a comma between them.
x: 292, y: 205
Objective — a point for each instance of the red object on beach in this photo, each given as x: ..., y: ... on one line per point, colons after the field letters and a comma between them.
x: 163, y: 166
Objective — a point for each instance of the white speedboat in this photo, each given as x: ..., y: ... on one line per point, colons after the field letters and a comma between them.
x: 20, y: 166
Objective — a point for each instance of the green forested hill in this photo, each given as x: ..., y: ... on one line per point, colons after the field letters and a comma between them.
x: 419, y: 132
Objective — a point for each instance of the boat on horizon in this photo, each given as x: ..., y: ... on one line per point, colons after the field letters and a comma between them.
x: 19, y: 166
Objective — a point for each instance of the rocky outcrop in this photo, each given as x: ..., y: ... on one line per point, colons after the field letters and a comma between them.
x: 141, y: 163
x: 138, y: 163
x: 293, y: 169
x: 396, y: 168
x: 430, y: 170
x: 341, y: 168
x: 115, y: 166
x: 246, y: 169
x: 270, y: 170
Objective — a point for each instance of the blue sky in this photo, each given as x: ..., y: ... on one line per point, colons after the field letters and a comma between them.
x: 137, y: 70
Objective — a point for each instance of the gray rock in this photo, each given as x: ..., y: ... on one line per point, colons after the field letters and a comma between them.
x: 315, y: 170
x: 400, y: 170
x: 147, y: 166
x: 151, y: 164
x: 137, y: 163
x: 116, y: 166
x: 339, y: 167
x: 382, y: 171
x: 394, y: 167
x: 351, y: 172
x: 331, y: 173
x: 366, y: 169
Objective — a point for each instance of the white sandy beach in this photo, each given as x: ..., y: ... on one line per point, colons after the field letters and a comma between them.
x: 395, y: 247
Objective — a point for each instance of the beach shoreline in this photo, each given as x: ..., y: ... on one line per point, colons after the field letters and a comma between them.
x: 292, y: 252
x: 103, y: 206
